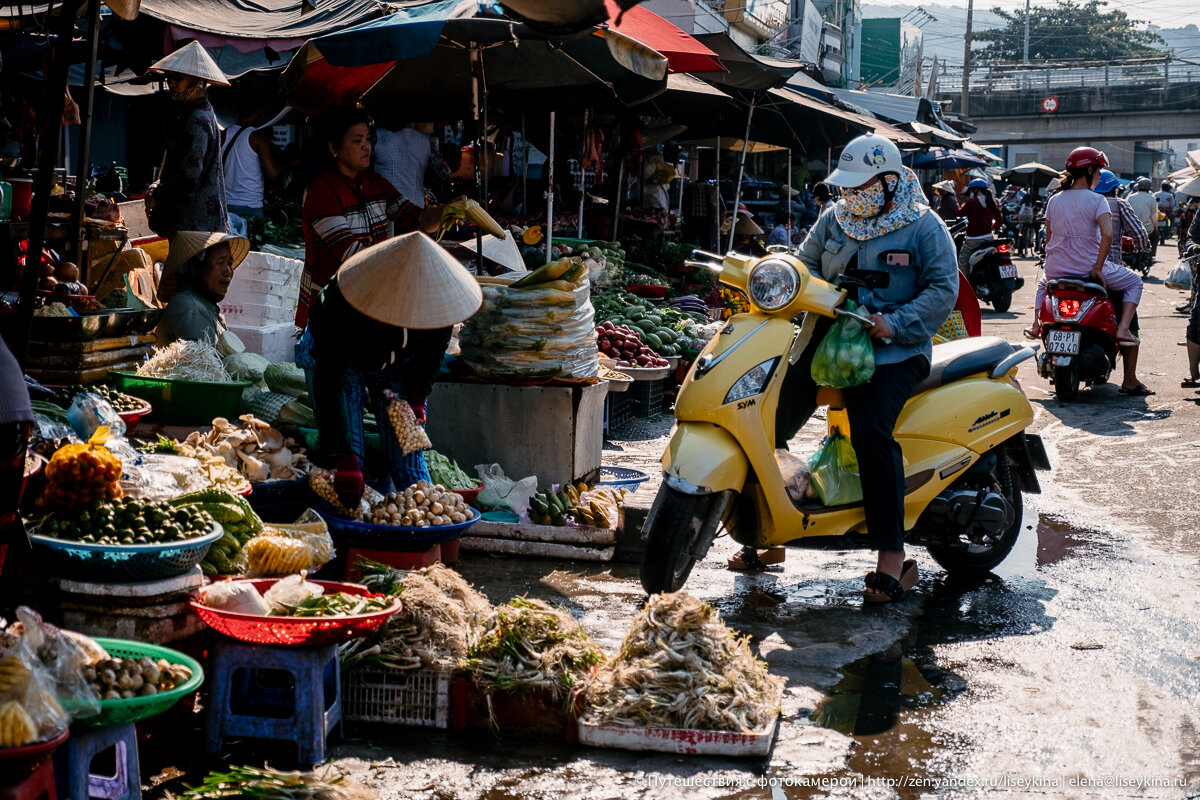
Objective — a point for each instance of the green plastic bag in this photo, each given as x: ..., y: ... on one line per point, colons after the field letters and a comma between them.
x: 835, y: 472
x: 845, y: 357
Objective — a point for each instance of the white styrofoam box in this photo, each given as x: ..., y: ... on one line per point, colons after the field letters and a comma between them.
x: 273, y: 342
x: 257, y: 315
x: 269, y: 267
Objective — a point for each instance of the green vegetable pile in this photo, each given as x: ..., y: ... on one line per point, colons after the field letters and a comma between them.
x: 338, y: 604
x: 264, y: 783
x: 236, y: 516
x: 118, y: 400
x: 129, y: 522
x: 445, y: 471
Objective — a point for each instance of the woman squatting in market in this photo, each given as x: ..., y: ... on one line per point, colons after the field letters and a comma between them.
x: 881, y: 223
x: 382, y: 323
x: 195, y: 280
x: 190, y: 193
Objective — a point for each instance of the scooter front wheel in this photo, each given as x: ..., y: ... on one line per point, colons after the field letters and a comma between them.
x: 672, y: 540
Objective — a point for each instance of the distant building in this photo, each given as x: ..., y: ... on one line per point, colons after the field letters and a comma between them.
x: 891, y: 52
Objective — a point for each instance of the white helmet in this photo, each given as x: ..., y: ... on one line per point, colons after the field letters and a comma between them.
x: 864, y: 158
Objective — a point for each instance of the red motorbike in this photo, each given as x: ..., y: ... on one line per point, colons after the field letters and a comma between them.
x: 1079, y: 331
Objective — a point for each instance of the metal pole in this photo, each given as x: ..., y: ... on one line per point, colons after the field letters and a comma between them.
x: 82, y: 168
x: 524, y: 167
x: 550, y: 191
x: 582, y: 182
x: 480, y: 153
x: 789, y: 195
x: 737, y: 191
x: 966, y: 76
x: 1025, y: 56
x: 616, y: 213
x: 55, y: 78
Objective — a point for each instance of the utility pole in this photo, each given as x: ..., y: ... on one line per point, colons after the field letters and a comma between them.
x: 1025, y: 57
x: 966, y: 75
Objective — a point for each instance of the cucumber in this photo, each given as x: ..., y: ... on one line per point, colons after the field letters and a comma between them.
x: 646, y: 326
x: 653, y: 341
x: 656, y: 319
x: 666, y: 334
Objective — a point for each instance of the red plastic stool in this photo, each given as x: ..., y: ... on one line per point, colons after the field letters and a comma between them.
x: 38, y: 786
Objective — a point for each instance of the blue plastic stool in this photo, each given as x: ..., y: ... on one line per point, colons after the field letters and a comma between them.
x: 38, y: 786
x: 73, y: 764
x: 247, y: 702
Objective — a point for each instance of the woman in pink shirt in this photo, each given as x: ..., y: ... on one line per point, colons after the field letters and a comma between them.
x: 1079, y: 235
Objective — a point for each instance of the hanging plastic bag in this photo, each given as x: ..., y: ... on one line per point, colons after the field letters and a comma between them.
x: 845, y: 357
x: 835, y: 472
x: 1180, y: 277
x: 89, y: 411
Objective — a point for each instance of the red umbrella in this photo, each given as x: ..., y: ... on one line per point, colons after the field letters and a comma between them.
x: 684, y: 53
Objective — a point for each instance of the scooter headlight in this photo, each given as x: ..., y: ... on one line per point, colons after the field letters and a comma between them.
x: 753, y: 382
x: 773, y: 284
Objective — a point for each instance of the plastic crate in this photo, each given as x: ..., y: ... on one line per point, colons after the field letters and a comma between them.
x: 619, y: 411
x: 647, y: 397
x: 419, y: 697
x: 183, y: 402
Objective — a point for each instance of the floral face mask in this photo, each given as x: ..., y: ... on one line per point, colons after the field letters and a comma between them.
x: 868, y: 202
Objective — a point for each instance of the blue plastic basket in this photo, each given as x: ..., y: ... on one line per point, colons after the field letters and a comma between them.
x: 125, y: 562
x: 622, y: 478
x: 402, y: 538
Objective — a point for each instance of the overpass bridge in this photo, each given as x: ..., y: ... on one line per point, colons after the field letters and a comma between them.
x: 1135, y: 100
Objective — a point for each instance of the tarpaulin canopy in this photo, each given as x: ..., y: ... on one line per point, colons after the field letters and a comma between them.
x: 423, y: 56
x: 262, y: 19
x: 683, y: 52
x: 743, y: 70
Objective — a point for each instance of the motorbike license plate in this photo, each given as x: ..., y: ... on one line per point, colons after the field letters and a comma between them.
x: 1063, y: 342
x: 1008, y: 270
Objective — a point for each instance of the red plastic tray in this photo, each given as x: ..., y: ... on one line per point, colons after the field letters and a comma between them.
x: 295, y: 631
x: 132, y: 418
x: 646, y: 290
x: 18, y: 763
x: 469, y: 496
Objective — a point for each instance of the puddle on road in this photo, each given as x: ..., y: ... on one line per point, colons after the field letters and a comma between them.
x: 873, y: 692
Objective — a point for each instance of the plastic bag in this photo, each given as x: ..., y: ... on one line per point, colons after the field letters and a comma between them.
x: 41, y: 673
x: 796, y: 476
x: 90, y: 411
x: 501, y: 492
x: 287, y: 549
x: 1180, y: 277
x: 238, y: 597
x: 835, y: 472
x: 291, y: 591
x: 81, y: 473
x: 845, y: 357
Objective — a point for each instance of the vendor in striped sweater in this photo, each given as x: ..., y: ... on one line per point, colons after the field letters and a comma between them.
x: 349, y: 206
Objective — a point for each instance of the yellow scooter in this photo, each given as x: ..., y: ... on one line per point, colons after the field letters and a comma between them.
x: 967, y: 456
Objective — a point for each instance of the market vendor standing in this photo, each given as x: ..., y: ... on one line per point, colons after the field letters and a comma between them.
x: 383, y: 322
x: 349, y: 206
x: 190, y: 192
x: 195, y: 280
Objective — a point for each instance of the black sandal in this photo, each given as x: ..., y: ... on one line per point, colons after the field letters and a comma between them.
x: 891, y: 589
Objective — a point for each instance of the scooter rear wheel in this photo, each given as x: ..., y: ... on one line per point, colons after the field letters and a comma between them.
x: 977, y: 559
x: 1066, y: 382
x: 671, y: 541
x: 1001, y: 300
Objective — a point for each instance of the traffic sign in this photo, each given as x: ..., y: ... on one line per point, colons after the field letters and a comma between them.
x: 1050, y: 105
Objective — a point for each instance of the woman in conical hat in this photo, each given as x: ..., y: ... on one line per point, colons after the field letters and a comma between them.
x: 190, y: 192
x: 383, y: 322
x: 195, y: 280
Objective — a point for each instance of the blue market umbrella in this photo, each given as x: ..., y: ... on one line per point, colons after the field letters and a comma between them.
x: 944, y: 158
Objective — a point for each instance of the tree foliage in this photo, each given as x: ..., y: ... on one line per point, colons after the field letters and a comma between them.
x: 1068, y: 31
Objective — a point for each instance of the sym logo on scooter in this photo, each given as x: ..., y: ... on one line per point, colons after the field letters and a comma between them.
x: 745, y: 404
x: 988, y: 419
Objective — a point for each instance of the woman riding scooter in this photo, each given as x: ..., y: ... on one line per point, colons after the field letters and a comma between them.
x: 880, y: 225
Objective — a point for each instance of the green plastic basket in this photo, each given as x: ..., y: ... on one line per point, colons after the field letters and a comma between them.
x: 183, y: 402
x: 120, y: 712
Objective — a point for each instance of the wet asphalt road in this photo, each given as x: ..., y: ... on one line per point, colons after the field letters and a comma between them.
x: 1073, y: 671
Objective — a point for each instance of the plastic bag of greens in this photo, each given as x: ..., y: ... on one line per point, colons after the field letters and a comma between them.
x: 845, y: 357
x: 835, y: 472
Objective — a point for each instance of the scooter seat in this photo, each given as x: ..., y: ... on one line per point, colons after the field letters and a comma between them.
x: 958, y: 359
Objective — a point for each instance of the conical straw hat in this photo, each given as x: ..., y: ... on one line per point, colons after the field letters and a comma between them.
x: 192, y: 59
x: 409, y: 282
x: 125, y: 9
x: 503, y: 251
x: 185, y: 245
x: 945, y: 186
x: 746, y: 226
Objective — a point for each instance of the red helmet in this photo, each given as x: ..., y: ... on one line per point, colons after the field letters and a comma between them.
x: 1086, y: 157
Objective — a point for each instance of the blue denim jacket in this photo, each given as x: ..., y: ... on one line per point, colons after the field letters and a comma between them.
x: 919, y: 297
